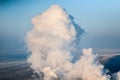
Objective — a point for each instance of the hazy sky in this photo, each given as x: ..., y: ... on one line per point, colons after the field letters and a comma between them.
x: 99, y: 18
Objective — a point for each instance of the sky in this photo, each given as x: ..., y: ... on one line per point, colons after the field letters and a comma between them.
x: 99, y: 18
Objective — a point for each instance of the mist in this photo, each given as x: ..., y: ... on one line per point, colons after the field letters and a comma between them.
x: 53, y: 41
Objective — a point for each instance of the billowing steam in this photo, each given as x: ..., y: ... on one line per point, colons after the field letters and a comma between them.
x: 53, y: 41
x: 116, y: 76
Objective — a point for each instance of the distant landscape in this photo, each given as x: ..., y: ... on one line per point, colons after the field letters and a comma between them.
x: 20, y: 69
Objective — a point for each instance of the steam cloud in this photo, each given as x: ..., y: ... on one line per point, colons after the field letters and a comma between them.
x: 52, y: 42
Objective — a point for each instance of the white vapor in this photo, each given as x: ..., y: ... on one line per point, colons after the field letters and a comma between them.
x: 116, y: 76
x: 52, y: 41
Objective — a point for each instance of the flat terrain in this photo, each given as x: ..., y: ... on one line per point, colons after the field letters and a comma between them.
x: 16, y: 70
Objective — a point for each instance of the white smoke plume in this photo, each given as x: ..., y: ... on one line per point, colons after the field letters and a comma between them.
x: 52, y: 42
x: 116, y: 76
